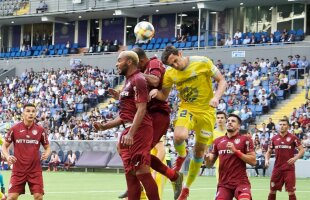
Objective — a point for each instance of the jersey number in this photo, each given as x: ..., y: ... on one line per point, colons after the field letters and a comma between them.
x: 184, y: 113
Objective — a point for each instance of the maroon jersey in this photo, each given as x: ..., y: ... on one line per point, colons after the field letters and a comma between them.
x: 155, y: 67
x: 284, y: 149
x: 232, y: 170
x: 134, y: 91
x: 27, y: 142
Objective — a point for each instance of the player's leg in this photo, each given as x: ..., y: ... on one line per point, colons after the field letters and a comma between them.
x: 243, y: 192
x: 224, y: 194
x: 183, y: 124
x: 17, y: 183
x: 35, y: 182
x: 133, y: 186
x: 144, y: 176
x: 38, y: 196
x: 290, y: 184
x: 276, y: 183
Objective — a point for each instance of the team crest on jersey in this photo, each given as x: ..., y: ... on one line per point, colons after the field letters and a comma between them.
x: 34, y: 132
x: 237, y: 141
x: 288, y: 139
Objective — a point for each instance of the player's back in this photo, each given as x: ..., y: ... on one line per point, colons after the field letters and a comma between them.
x: 193, y: 83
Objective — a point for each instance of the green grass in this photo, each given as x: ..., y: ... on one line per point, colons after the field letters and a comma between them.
x: 107, y: 186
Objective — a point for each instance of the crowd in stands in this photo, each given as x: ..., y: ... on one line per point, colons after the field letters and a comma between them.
x: 104, y: 46
x: 8, y: 7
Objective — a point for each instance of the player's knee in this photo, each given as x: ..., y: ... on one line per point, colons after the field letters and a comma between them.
x: 12, y: 197
x: 244, y: 196
x: 37, y: 196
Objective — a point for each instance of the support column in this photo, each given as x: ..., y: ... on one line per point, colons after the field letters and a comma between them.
x: 76, y: 31
x: 88, y: 34
x: 100, y: 30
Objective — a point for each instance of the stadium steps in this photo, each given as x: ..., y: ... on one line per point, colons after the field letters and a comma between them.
x: 285, y: 108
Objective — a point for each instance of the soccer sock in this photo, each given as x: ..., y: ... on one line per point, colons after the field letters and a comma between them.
x: 133, y: 187
x: 292, y: 197
x: 1, y: 181
x: 272, y: 196
x: 180, y: 148
x: 149, y: 185
x: 193, y: 171
x: 158, y: 166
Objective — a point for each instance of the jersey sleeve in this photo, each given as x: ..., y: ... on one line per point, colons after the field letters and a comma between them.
x: 9, y: 137
x: 271, y: 145
x: 44, y: 138
x: 212, y: 70
x: 214, y: 148
x: 167, y: 81
x: 141, y: 90
x: 249, y: 145
x: 297, y: 141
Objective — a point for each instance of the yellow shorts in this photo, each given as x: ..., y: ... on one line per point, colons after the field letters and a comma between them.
x: 202, y: 123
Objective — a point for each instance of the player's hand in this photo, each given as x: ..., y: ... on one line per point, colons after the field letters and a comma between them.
x: 214, y: 102
x: 153, y: 94
x: 44, y: 156
x: 11, y: 160
x: 99, y: 126
x: 291, y: 161
x: 114, y: 93
x: 267, y: 163
x: 127, y: 140
x: 230, y: 146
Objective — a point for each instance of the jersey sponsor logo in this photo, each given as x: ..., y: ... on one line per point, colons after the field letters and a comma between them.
x: 237, y: 141
x: 189, y: 94
x: 34, y: 132
x: 225, y: 151
x: 288, y: 139
x: 124, y: 94
x: 205, y: 133
x: 26, y: 141
x: 283, y: 147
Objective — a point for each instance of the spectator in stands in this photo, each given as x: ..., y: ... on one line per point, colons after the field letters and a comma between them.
x: 228, y: 42
x: 246, y: 40
x: 42, y: 6
x: 263, y: 39
x: 271, y: 39
x: 68, y: 45
x: 222, y: 105
x: 54, y: 161
x: 291, y: 38
x: 283, y: 37
x: 71, y: 158
x: 304, y: 64
x: 275, y: 62
x: 292, y: 84
x: 236, y: 41
x: 253, y: 40
x: 264, y: 103
x: 307, y: 85
x: 238, y: 34
x: 260, y: 160
x: 270, y: 124
x: 285, y: 87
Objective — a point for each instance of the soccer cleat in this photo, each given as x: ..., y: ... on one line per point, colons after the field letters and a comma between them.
x: 124, y: 195
x: 179, y: 162
x: 184, y: 194
x: 177, y: 185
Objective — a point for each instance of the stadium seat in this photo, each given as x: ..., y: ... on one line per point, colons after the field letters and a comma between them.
x: 149, y: 47
x: 57, y: 46
x: 176, y: 44
x: 59, y: 52
x: 36, y: 53
x: 165, y: 40
x: 188, y: 45
x: 194, y: 38
x: 182, y: 45
x: 29, y: 53
x: 75, y: 45
x: 280, y: 95
x: 52, y: 52
x: 79, y: 107
x: 162, y: 45
x: 65, y: 52
x: 129, y: 47
x: 62, y: 46
x: 259, y: 109
x: 144, y: 46
x: 153, y: 41
x: 50, y: 47
x: 156, y: 46
x: 159, y: 40
x: 173, y: 39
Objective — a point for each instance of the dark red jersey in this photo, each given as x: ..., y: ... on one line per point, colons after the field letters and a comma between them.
x: 155, y: 67
x: 134, y: 91
x: 284, y: 150
x: 232, y: 170
x: 27, y: 142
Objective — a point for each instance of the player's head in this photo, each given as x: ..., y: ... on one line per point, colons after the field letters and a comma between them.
x: 221, y: 118
x: 233, y: 123
x: 29, y: 112
x: 172, y: 57
x: 142, y: 58
x: 126, y: 60
x: 284, y: 126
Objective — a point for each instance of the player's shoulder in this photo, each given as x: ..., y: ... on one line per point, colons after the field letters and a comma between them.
x: 202, y: 59
x: 16, y: 125
x: 217, y: 140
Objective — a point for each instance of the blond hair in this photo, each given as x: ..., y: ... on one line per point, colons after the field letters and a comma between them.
x: 130, y: 55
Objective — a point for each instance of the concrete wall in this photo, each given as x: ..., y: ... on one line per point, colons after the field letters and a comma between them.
x: 108, y: 61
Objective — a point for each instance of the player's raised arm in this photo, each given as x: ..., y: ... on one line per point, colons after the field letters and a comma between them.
x: 110, y: 124
x: 152, y: 80
x: 159, y: 94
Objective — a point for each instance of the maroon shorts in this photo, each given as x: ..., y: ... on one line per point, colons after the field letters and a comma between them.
x: 161, y: 122
x: 279, y: 177
x: 19, y: 180
x: 139, y: 153
x: 228, y: 194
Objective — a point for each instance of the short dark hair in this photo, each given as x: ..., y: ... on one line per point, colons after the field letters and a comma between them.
x: 167, y: 52
x: 29, y: 105
x: 221, y: 113
x: 140, y: 52
x: 284, y: 120
x: 237, y: 116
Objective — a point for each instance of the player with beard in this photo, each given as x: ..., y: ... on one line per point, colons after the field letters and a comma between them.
x: 234, y: 152
x: 284, y: 145
x: 136, y: 140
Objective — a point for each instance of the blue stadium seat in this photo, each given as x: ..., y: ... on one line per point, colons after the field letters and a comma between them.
x: 159, y: 40
x: 52, y: 52
x: 194, y: 38
x: 57, y: 46
x: 259, y: 109
x: 65, y: 52
x: 79, y: 107
x: 165, y: 40
x: 162, y: 45
x: 173, y: 39
x: 153, y: 41
x: 188, y: 45
x: 156, y: 46
x: 211, y: 43
x: 36, y: 53
x: 17, y: 54
x: 12, y: 54
x: 50, y: 47
x: 75, y: 45
x: 23, y: 54
x: 59, y: 52
x: 62, y: 46
x: 149, y: 47
x: 129, y: 47
x: 144, y: 46
x: 280, y: 95
x: 176, y: 44
x: 182, y: 45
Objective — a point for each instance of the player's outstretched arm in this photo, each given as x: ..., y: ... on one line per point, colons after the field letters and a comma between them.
x: 5, y: 151
x: 46, y: 153
x: 152, y: 80
x: 114, y: 93
x: 159, y: 94
x: 300, y: 154
x: 111, y: 124
x: 222, y: 85
x: 210, y: 159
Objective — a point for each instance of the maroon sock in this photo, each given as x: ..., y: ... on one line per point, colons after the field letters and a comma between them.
x: 133, y: 187
x: 292, y: 197
x: 149, y: 185
x: 272, y: 196
x: 158, y: 166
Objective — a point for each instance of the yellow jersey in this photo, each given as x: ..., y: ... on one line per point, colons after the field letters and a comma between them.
x: 194, y: 83
x: 217, y: 133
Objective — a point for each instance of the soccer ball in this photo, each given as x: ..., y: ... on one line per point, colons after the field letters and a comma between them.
x: 144, y: 31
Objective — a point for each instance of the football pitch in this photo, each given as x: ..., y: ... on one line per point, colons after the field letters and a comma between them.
x: 107, y: 186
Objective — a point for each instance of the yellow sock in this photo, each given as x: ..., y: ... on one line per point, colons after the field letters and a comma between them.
x: 180, y: 149
x: 193, y: 171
